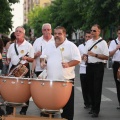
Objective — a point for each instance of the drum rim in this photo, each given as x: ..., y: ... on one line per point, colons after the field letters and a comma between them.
x: 4, y: 77
x: 49, y: 80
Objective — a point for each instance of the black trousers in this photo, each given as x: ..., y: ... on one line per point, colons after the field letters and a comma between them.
x: 68, y: 109
x: 85, y: 89
x: 37, y: 73
x: 95, y: 73
x: 9, y: 110
x: 116, y: 65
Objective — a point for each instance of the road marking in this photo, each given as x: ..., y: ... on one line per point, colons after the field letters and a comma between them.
x: 104, y: 98
x: 112, y: 89
x: 79, y: 88
x: 31, y: 99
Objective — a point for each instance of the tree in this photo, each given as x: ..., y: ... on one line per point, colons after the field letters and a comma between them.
x: 37, y: 17
x: 78, y: 14
x: 103, y: 12
x: 6, y: 15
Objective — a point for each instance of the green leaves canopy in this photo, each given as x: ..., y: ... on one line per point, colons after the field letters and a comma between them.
x: 78, y: 14
x: 5, y: 15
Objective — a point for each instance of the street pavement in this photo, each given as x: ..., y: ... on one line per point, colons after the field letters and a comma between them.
x: 108, y: 103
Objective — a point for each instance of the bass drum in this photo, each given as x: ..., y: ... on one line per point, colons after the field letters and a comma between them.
x: 14, y: 89
x: 50, y: 94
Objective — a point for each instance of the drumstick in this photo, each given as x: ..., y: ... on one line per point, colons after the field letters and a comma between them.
x: 41, y: 48
x: 62, y: 49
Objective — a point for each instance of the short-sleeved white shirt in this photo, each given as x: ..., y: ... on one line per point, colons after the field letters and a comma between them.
x: 38, y: 44
x: 100, y: 48
x: 112, y: 46
x: 82, y: 69
x: 54, y: 60
x: 23, y: 49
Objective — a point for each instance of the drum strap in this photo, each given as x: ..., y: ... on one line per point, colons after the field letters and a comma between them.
x: 18, y: 53
x: 116, y: 43
x: 16, y: 49
x: 95, y: 44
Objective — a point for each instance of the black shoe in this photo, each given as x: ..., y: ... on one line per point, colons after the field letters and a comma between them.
x: 118, y: 107
x: 91, y: 112
x: 9, y: 113
x: 2, y: 112
x: 44, y: 115
x: 22, y: 113
x: 87, y: 107
x: 94, y: 115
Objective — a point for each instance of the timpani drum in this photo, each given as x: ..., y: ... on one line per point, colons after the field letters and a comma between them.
x: 50, y: 94
x: 14, y: 89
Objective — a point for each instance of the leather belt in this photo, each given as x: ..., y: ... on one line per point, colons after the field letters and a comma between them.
x: 97, y: 63
x: 118, y: 62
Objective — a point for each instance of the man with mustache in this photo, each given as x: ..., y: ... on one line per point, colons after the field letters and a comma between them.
x: 62, y: 57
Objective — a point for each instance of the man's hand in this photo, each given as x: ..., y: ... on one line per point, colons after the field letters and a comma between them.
x: 91, y: 53
x: 118, y: 46
x: 37, y: 54
x: 43, y: 64
x: 65, y: 64
x: 85, y: 57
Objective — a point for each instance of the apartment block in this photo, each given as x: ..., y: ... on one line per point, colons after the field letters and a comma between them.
x: 30, y: 4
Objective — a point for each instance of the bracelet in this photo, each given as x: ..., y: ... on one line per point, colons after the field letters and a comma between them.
x: 96, y: 55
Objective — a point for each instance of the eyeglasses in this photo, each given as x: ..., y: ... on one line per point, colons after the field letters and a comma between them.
x: 93, y: 31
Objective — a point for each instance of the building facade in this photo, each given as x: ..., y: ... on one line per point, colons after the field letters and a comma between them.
x: 30, y: 4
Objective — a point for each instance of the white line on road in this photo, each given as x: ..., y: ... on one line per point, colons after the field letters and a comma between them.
x: 112, y: 89
x: 104, y: 98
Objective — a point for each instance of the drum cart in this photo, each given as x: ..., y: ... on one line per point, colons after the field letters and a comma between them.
x: 45, y: 93
x: 25, y: 117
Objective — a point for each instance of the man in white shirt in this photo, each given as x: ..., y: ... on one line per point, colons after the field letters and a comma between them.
x: 114, y: 49
x: 24, y: 56
x: 82, y: 72
x: 62, y: 57
x: 40, y: 44
x: 97, y: 52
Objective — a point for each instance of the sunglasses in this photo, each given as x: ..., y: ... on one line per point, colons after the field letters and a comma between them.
x: 93, y: 31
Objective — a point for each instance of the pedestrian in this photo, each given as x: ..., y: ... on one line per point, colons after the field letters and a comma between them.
x: 4, y: 58
x: 1, y: 65
x: 40, y: 44
x: 12, y: 40
x: 97, y: 52
x: 114, y: 50
x: 24, y: 56
x: 62, y: 57
x: 82, y: 72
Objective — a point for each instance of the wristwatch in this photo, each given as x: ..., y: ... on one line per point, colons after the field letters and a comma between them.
x: 96, y: 55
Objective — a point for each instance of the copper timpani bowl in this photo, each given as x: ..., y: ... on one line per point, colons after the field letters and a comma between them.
x: 14, y: 89
x: 50, y: 94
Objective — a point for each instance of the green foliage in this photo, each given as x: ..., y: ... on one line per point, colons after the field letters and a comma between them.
x: 13, y: 1
x: 37, y: 17
x: 27, y: 28
x: 77, y: 14
x: 5, y: 15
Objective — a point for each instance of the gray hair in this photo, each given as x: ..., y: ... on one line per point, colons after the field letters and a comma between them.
x: 22, y: 28
x: 46, y: 24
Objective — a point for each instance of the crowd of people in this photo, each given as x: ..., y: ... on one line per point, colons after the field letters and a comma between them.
x: 91, y: 56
